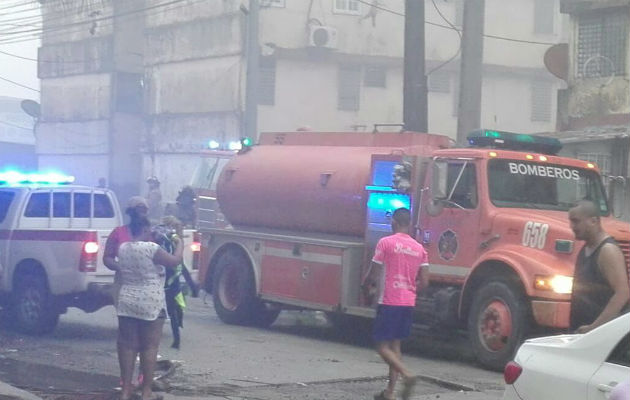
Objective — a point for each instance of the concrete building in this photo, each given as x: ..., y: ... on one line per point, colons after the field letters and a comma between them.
x: 594, y: 110
x: 142, y: 93
x: 17, y: 142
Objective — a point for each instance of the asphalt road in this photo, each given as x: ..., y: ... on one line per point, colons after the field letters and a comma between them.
x: 300, y: 357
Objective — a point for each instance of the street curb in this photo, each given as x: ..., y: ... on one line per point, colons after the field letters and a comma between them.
x: 427, y: 378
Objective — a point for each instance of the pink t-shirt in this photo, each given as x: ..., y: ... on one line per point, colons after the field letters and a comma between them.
x: 402, y: 257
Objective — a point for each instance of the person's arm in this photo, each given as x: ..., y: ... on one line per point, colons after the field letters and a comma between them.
x: 162, y: 257
x: 109, y: 254
x: 613, y: 266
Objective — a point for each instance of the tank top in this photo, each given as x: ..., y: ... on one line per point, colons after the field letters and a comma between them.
x: 591, y: 291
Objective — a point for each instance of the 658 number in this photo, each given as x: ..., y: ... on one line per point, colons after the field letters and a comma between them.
x: 535, y: 234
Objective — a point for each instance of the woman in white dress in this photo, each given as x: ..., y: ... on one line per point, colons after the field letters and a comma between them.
x: 141, y: 306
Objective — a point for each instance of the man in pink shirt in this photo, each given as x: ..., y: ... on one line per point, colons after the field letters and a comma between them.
x: 398, y: 266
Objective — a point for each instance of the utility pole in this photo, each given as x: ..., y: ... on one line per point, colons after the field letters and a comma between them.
x: 251, y: 84
x: 471, y: 72
x: 415, y: 81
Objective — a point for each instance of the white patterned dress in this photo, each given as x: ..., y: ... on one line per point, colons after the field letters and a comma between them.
x: 142, y: 282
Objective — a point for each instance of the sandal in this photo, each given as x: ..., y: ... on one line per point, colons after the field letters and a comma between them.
x: 382, y: 396
x: 408, y: 385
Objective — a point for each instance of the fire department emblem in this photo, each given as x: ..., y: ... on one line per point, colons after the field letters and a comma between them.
x: 447, y: 245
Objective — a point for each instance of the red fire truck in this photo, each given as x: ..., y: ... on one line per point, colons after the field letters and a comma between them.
x: 306, y: 210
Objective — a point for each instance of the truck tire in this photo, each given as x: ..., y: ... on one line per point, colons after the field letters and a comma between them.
x: 497, y: 323
x: 234, y: 293
x: 32, y: 309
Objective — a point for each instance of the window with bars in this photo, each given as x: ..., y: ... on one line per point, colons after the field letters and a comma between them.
x: 543, y: 16
x: 348, y: 87
x: 541, y: 101
x: 602, y: 44
x: 346, y: 7
x: 267, y: 81
x: 272, y: 3
x: 439, y: 82
x: 375, y: 76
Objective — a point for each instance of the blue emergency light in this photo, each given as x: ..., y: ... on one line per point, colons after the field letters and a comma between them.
x: 514, y: 141
x: 41, y: 178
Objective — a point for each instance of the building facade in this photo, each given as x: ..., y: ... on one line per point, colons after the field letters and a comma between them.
x: 594, y: 110
x: 135, y: 89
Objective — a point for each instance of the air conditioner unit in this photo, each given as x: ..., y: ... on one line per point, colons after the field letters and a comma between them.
x: 322, y: 36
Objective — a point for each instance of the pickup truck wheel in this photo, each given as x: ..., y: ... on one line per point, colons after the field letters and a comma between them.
x: 233, y: 289
x: 497, y: 323
x: 32, y: 310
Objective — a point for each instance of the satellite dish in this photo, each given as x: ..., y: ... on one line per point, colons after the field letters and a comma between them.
x: 31, y: 107
x: 556, y: 60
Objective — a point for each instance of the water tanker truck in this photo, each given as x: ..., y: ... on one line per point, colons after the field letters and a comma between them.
x: 305, y: 210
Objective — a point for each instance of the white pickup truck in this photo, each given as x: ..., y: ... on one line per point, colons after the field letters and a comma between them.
x: 51, y: 242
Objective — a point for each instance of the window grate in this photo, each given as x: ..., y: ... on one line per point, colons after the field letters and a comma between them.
x: 349, y: 87
x: 541, y: 101
x: 375, y: 76
x: 267, y: 82
x: 346, y: 7
x: 602, y: 45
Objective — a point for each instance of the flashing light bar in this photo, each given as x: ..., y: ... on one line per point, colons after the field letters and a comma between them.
x: 45, y: 178
x: 514, y: 141
x: 234, y: 145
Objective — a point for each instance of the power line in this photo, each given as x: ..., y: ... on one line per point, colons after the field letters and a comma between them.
x: 455, y: 28
x: 19, y: 84
x: 61, y: 30
x: 459, y: 48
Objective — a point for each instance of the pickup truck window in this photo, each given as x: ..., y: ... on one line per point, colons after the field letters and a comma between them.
x: 521, y: 184
x: 61, y: 205
x: 82, y: 205
x: 102, y: 206
x: 6, y: 197
x: 38, y: 206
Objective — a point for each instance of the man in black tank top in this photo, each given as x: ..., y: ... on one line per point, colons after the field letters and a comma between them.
x: 601, y: 289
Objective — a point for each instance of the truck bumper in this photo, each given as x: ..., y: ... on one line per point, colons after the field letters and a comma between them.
x: 97, y: 296
x: 553, y: 314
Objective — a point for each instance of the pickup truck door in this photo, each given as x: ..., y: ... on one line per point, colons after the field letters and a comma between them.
x: 449, y: 225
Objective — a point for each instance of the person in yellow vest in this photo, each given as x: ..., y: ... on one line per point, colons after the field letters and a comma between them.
x: 165, y: 235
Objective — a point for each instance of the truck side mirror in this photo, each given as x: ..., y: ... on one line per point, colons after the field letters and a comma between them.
x: 617, y: 195
x: 438, y: 189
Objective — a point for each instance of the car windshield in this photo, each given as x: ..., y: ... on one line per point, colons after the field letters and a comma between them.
x: 543, y: 186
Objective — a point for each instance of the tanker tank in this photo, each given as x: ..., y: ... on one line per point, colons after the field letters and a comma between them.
x: 309, y: 183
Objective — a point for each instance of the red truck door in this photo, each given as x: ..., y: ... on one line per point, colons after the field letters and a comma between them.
x: 449, y: 227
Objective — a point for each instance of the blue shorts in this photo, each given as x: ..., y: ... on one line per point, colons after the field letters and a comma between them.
x: 392, y: 323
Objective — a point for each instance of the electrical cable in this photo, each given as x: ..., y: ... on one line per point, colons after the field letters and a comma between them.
x: 459, y: 48
x: 455, y: 28
x: 19, y: 84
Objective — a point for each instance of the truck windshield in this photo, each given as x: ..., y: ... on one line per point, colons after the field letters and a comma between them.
x: 545, y: 186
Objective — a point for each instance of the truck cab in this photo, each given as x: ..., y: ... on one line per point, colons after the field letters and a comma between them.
x: 495, y: 224
x: 51, y: 235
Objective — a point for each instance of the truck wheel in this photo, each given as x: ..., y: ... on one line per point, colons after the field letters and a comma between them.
x: 497, y: 323
x: 32, y: 310
x: 234, y: 293
x: 263, y: 316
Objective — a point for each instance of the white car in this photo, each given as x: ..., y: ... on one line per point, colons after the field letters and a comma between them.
x: 571, y: 367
